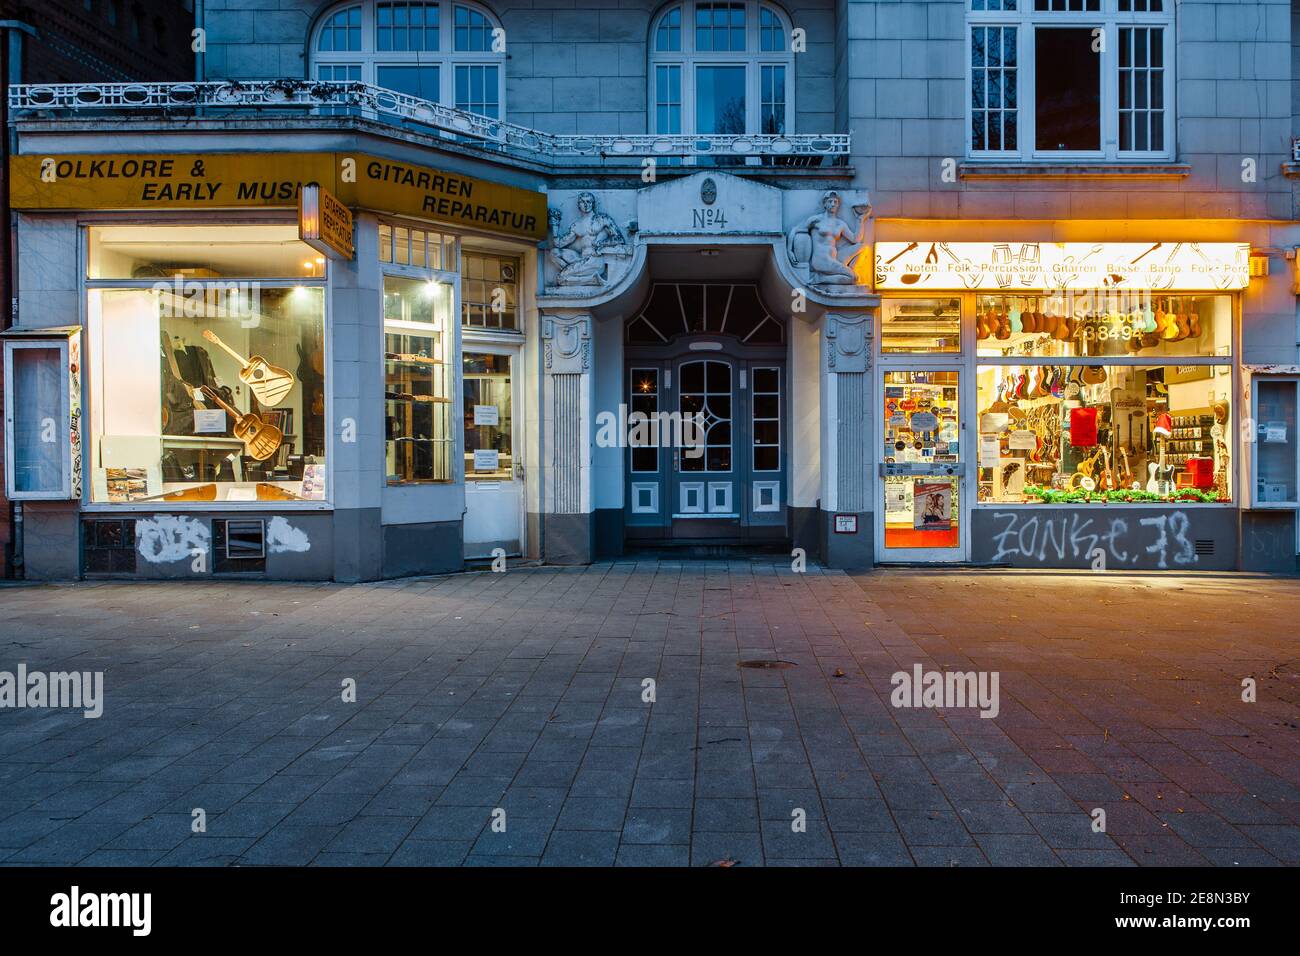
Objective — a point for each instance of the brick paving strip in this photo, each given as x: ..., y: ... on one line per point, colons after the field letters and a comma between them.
x: 522, y: 692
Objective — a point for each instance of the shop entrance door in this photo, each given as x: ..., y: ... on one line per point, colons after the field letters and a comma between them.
x: 493, y: 471
x: 921, y: 517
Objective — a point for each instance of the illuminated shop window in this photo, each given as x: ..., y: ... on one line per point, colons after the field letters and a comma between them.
x: 1105, y: 432
x: 417, y: 379
x: 206, y: 350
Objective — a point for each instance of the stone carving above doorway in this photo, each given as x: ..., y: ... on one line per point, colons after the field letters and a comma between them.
x: 588, y: 256
x: 824, y: 247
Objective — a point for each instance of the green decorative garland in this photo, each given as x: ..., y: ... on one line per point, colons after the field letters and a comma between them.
x: 1122, y: 495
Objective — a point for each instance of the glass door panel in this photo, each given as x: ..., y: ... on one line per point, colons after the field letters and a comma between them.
x: 921, y: 455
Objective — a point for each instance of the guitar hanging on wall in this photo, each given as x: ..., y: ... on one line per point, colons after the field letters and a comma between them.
x: 269, y: 383
x: 260, y: 439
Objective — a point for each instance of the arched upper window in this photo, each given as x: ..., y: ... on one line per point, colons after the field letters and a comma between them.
x: 721, y: 66
x: 451, y: 52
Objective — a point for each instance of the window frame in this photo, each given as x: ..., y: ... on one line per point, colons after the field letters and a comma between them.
x: 753, y: 58
x: 446, y: 58
x: 90, y: 380
x: 454, y: 351
x: 970, y: 363
x: 1027, y: 22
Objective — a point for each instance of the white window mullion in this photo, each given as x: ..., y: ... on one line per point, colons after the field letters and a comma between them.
x: 1027, y: 92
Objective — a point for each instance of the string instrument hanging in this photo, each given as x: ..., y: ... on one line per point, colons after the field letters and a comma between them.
x: 260, y: 439
x: 270, y: 383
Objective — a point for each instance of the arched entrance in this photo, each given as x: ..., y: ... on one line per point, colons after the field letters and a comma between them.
x: 715, y: 351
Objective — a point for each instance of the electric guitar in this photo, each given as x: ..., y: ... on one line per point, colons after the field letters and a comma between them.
x: 1161, y: 476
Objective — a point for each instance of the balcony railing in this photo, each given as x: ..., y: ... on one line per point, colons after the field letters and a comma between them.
x: 329, y: 97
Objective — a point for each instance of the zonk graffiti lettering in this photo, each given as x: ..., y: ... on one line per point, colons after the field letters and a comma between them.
x: 1077, y: 536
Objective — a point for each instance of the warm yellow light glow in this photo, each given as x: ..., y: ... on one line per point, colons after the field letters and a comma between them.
x: 1258, y: 265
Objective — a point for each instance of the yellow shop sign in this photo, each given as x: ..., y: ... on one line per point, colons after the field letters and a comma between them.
x: 239, y: 180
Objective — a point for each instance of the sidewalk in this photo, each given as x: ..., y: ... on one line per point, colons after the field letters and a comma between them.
x: 523, y: 692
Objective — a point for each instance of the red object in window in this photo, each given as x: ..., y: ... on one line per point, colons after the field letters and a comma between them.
x: 1083, y: 427
x: 1201, y: 471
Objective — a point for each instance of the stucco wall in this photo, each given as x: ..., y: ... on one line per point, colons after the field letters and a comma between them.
x: 575, y: 66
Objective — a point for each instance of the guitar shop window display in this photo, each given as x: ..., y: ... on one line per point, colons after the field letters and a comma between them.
x: 241, y: 410
x: 1083, y: 434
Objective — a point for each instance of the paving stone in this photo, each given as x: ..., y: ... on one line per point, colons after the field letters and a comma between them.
x: 932, y: 828
x: 631, y: 854
x: 581, y: 848
x: 742, y: 848
x: 657, y: 826
x: 1014, y: 849
x: 288, y: 845
x: 523, y: 691
x: 725, y: 814
x: 872, y: 849
x: 431, y: 853
x: 949, y: 856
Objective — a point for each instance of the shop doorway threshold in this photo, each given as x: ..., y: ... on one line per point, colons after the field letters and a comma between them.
x: 683, y: 550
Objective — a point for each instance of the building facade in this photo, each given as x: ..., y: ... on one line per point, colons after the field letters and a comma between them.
x: 91, y: 41
x: 1001, y: 282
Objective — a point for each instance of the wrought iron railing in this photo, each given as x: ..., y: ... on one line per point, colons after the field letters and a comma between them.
x: 331, y: 97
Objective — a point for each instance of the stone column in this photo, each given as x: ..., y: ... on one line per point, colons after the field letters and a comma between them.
x: 567, y: 435
x: 847, y: 430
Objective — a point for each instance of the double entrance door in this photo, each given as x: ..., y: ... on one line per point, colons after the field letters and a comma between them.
x: 707, y: 449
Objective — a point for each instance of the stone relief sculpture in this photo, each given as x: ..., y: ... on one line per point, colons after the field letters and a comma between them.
x: 825, y: 246
x: 588, y: 251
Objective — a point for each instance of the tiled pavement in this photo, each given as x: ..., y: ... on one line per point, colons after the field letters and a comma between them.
x: 523, y: 692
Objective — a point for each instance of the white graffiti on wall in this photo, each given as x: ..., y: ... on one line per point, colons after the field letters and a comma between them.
x: 1039, y: 537
x: 282, y: 536
x: 163, y: 539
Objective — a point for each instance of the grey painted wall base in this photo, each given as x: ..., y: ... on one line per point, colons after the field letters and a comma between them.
x: 359, y: 539
x: 608, y: 533
x: 51, y: 541
x: 806, y: 531
x: 851, y: 552
x: 1268, y: 542
x: 1130, y: 539
x: 430, y: 548
x: 568, y: 539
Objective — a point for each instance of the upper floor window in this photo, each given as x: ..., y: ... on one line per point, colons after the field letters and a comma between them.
x: 1071, y: 79
x: 450, y: 52
x: 489, y: 291
x: 721, y: 66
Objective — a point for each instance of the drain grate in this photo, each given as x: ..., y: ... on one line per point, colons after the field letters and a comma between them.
x: 767, y: 665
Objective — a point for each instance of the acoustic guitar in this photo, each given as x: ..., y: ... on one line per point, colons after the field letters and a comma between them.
x: 1105, y: 478
x: 270, y: 383
x: 260, y: 439
x: 1126, y: 474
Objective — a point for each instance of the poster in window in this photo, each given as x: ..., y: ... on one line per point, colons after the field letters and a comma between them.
x: 932, y: 505
x: 486, y: 459
x: 486, y: 415
x: 313, y: 482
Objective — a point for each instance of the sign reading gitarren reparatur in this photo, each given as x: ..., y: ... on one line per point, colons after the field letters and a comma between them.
x: 239, y: 180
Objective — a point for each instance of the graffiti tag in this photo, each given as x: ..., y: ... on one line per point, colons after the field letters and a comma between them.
x: 1077, y: 536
